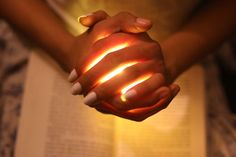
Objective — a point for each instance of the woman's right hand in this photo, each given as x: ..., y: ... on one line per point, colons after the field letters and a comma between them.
x: 83, y: 44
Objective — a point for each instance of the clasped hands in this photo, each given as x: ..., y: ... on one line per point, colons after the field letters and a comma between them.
x: 140, y: 86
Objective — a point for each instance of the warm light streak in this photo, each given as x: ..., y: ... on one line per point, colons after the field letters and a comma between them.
x: 110, y: 50
x: 138, y: 81
x: 115, y: 72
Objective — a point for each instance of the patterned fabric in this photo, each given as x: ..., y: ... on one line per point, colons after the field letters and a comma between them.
x: 13, y: 61
x: 221, y: 124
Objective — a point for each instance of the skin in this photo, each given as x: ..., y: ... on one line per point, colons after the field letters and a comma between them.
x: 197, y: 38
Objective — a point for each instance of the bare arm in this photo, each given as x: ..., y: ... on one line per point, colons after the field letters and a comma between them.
x: 35, y: 19
x: 200, y: 36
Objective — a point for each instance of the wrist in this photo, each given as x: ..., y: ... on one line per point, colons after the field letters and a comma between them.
x: 63, y: 53
x: 171, y: 61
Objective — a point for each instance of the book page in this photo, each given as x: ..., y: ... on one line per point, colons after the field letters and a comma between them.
x: 177, y: 131
x: 54, y: 123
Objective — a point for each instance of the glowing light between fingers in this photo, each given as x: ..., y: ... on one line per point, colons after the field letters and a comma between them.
x: 100, y: 57
x: 138, y: 81
x: 118, y: 70
x: 115, y: 72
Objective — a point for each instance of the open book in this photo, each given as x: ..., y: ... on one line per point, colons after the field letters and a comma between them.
x: 54, y: 123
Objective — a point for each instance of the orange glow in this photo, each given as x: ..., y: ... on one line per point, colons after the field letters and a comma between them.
x: 102, y: 36
x: 115, y: 72
x: 110, y: 50
x: 129, y: 86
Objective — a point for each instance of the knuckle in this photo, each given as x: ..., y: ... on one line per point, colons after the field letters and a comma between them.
x: 100, y: 12
x: 104, y: 91
x: 113, y: 58
x: 160, y: 79
x: 159, y: 68
x: 99, y: 26
x: 132, y: 71
x: 97, y: 46
x: 99, y: 31
x: 86, y: 84
x: 155, y: 47
x: 79, y: 69
x: 100, y: 91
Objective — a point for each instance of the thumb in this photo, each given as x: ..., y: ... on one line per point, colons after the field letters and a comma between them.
x: 91, y: 19
x: 138, y: 25
x: 129, y: 23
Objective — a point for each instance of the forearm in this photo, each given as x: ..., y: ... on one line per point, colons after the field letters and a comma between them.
x: 35, y: 19
x: 200, y: 36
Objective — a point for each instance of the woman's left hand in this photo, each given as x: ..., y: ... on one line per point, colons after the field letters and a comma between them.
x: 142, y: 100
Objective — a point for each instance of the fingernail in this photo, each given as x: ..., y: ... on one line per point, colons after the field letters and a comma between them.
x: 143, y: 21
x: 90, y: 99
x: 130, y: 94
x: 76, y: 88
x: 164, y: 94
x: 73, y: 76
x: 86, y: 15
